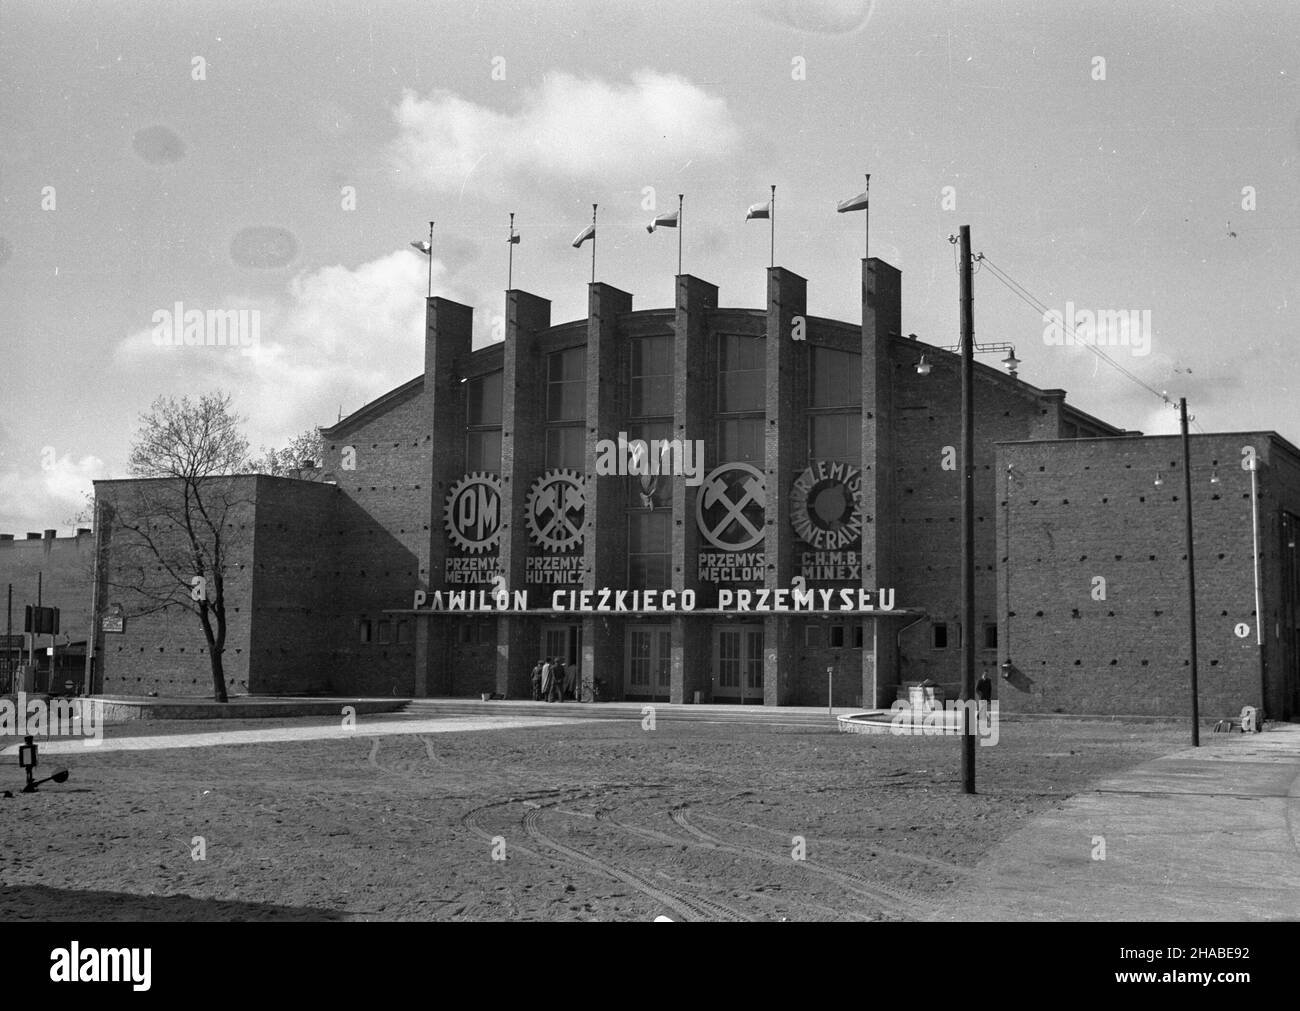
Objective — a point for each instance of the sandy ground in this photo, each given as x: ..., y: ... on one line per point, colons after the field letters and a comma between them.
x: 593, y: 821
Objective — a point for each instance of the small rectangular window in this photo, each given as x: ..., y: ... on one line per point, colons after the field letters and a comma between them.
x: 812, y: 636
x: 364, y: 628
x: 385, y: 630
x: 465, y: 633
x: 837, y: 636
x: 939, y: 635
x: 990, y: 635
x: 857, y: 636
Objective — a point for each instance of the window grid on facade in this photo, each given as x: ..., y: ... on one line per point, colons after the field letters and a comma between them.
x: 835, y: 405
x: 649, y: 550
x: 566, y: 407
x: 651, y: 387
x: 483, y: 423
x: 742, y: 373
x: 566, y: 386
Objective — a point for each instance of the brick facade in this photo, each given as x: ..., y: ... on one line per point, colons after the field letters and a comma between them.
x: 330, y: 561
x: 1073, y: 514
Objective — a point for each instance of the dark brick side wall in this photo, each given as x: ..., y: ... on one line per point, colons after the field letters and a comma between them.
x: 65, y: 567
x: 165, y: 650
x: 1074, y: 511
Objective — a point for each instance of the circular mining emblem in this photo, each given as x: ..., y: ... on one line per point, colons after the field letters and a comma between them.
x: 826, y: 504
x: 472, y: 514
x: 554, y: 516
x: 730, y: 507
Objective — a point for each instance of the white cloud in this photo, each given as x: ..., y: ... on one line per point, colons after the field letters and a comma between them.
x: 337, y: 336
x: 568, y: 127
x: 47, y: 493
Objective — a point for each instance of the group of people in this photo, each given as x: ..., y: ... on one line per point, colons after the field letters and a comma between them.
x: 554, y: 680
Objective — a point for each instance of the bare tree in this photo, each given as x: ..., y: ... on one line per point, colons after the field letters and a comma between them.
x: 181, y: 528
x: 301, y: 458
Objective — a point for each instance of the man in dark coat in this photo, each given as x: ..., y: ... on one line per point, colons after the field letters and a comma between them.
x: 537, y: 681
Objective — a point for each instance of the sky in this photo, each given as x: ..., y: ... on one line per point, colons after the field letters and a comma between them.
x: 278, y: 158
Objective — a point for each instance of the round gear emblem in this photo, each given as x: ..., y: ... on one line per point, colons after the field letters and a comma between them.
x: 556, y: 509
x: 826, y: 505
x: 472, y: 514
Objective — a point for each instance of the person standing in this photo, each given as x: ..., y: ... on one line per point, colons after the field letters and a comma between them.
x: 548, y: 679
x: 570, y: 680
x: 984, y: 695
x: 537, y: 681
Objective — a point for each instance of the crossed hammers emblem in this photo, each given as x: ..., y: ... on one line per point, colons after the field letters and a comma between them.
x: 717, y: 490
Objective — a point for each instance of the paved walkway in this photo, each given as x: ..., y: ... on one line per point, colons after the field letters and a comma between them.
x: 1209, y: 833
x: 275, y: 735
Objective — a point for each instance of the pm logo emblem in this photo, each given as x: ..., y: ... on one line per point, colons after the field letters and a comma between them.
x: 472, y: 514
x: 556, y: 507
x: 731, y: 506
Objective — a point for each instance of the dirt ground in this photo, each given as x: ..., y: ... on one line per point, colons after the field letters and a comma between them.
x: 599, y: 821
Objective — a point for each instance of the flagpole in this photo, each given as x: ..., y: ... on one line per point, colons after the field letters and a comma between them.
x: 680, y: 226
x: 866, y: 222
x: 771, y: 214
x: 430, y: 295
x: 510, y: 270
x: 593, y: 243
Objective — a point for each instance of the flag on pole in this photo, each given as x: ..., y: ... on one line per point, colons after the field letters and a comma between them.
x: 587, y: 233
x: 513, y: 240
x: 663, y: 221
x: 763, y: 210
x: 858, y: 203
x: 423, y: 246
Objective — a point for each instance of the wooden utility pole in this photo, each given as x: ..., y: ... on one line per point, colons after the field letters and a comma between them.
x: 967, y: 515
x: 1191, y: 571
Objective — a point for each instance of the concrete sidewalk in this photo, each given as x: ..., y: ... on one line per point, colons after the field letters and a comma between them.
x: 1209, y: 833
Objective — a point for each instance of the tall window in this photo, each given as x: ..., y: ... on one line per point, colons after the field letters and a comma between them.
x: 836, y: 378
x: 483, y: 430
x: 835, y: 402
x: 566, y: 389
x: 566, y: 407
x: 652, y: 377
x: 741, y: 373
x: 835, y: 437
x: 741, y: 440
x: 566, y: 447
x: 742, y: 370
x: 649, y: 550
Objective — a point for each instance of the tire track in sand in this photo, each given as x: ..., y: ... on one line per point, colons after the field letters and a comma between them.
x: 690, y: 906
x: 887, y: 899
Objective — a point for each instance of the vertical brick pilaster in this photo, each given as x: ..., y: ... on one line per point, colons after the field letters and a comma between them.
x: 787, y: 437
x: 692, y: 415
x: 448, y: 338
x: 605, y: 540
x: 523, y: 450
x: 882, y: 321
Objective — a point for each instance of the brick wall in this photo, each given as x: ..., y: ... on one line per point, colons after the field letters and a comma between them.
x: 1073, y: 513
x: 163, y: 648
x: 63, y: 566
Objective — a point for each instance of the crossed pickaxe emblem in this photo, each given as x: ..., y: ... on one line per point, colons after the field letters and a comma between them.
x: 717, y: 491
x: 548, y: 497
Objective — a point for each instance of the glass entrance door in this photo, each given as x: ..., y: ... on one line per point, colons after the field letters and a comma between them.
x: 649, y: 661
x: 738, y: 663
